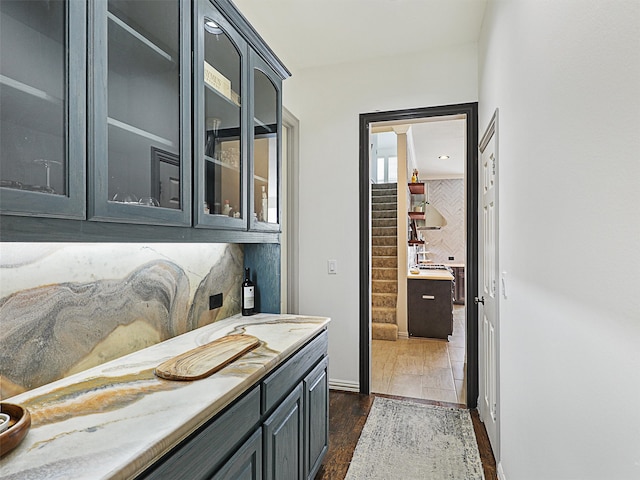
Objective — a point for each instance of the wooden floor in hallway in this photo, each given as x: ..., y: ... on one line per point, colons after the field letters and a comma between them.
x: 347, y: 415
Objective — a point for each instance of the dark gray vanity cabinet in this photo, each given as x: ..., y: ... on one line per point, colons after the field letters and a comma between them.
x: 278, y: 430
x: 43, y: 105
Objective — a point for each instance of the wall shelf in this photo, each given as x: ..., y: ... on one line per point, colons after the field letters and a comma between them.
x: 416, y: 201
x: 416, y: 188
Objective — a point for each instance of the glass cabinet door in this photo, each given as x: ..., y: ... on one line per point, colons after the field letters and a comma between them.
x: 42, y: 103
x: 266, y: 149
x: 140, y: 113
x: 220, y: 136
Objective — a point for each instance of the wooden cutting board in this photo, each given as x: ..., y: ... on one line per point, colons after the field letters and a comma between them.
x: 206, y: 359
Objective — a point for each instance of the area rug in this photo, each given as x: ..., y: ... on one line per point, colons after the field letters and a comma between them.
x: 408, y: 440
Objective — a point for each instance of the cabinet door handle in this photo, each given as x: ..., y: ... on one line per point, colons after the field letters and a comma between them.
x: 428, y: 297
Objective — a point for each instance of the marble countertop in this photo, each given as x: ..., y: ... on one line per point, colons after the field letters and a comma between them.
x: 114, y: 420
x: 430, y: 275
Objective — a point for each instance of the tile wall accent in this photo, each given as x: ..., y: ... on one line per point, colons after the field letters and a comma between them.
x: 264, y: 261
x: 68, y: 307
x: 448, y: 197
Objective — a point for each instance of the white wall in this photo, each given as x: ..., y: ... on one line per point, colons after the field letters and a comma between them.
x: 566, y: 78
x: 328, y: 101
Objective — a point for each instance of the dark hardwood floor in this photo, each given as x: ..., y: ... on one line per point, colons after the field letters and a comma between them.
x: 347, y: 415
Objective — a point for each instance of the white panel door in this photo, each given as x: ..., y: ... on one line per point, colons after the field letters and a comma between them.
x: 488, y: 285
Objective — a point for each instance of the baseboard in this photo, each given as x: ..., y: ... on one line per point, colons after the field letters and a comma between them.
x: 500, y: 471
x: 403, y: 334
x: 344, y: 385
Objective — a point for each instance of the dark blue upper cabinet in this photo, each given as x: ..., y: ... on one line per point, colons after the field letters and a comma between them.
x: 42, y: 105
x: 220, y: 113
x: 140, y: 149
x: 237, y: 121
x: 155, y: 116
x: 265, y: 146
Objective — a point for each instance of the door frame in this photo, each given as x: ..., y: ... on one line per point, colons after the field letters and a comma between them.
x: 471, y: 274
x: 290, y: 215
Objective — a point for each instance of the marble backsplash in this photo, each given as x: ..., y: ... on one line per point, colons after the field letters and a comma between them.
x: 66, y: 307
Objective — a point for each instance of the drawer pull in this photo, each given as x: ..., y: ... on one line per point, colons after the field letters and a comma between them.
x: 428, y: 297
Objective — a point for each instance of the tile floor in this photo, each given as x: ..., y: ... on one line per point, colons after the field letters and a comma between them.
x: 421, y: 367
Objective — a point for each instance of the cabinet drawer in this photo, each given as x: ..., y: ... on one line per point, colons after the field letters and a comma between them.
x: 283, y: 380
x: 202, y: 453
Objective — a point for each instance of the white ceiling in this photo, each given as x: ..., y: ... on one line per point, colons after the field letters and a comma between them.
x: 445, y: 137
x: 430, y: 139
x: 314, y: 33
x: 310, y: 33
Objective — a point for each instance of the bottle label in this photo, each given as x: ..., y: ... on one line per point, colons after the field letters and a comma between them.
x: 248, y: 295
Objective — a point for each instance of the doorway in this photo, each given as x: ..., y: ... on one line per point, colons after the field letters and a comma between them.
x: 289, y: 238
x: 469, y: 310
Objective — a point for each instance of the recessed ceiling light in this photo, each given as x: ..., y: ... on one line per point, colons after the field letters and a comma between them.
x: 444, y: 157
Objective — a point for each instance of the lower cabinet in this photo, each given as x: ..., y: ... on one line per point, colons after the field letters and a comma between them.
x: 316, y: 402
x: 246, y: 464
x: 201, y: 455
x: 279, y: 430
x: 429, y: 308
x: 458, y: 297
x: 284, y: 439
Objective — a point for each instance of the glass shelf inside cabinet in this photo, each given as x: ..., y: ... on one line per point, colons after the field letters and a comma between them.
x: 32, y: 94
x: 222, y: 123
x: 144, y: 103
x: 265, y: 150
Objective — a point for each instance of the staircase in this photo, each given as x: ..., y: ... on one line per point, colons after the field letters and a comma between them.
x: 384, y: 261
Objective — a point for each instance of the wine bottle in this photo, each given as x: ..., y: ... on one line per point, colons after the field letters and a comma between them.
x: 248, y: 294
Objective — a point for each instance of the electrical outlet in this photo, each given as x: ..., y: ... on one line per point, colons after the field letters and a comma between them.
x: 215, y: 301
x: 451, y: 258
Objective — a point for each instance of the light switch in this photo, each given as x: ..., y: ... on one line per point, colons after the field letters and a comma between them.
x: 332, y: 267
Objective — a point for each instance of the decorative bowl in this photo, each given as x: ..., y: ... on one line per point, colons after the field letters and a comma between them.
x: 18, y: 426
x: 4, y: 421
